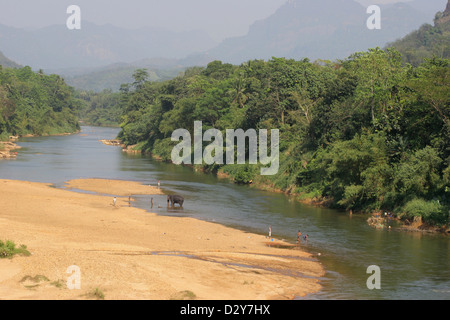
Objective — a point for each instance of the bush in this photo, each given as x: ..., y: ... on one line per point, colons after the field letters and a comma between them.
x: 314, y: 194
x: 352, y: 197
x: 419, y: 174
x: 8, y: 249
x: 4, y: 136
x: 163, y: 149
x: 432, y: 212
x: 241, y: 174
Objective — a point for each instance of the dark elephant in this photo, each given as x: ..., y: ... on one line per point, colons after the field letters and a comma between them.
x: 175, y: 199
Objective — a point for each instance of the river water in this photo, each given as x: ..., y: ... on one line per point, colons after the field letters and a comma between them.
x: 412, y: 266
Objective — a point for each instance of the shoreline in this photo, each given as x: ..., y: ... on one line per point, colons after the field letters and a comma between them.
x: 7, y: 148
x: 128, y: 253
x: 322, y: 203
x: 50, y: 135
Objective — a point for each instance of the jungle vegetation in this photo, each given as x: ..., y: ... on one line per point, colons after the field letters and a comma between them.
x: 33, y: 103
x: 366, y: 133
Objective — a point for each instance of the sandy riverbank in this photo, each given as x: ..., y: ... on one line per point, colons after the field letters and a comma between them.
x: 127, y: 253
x: 113, y: 187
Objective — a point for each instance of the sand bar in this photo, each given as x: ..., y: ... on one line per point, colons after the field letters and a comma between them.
x: 128, y: 253
x: 113, y: 187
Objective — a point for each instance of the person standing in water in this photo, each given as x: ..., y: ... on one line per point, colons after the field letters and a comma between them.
x: 299, y: 237
x: 270, y: 231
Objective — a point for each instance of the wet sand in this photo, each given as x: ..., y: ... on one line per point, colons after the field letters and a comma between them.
x: 113, y: 187
x: 128, y: 253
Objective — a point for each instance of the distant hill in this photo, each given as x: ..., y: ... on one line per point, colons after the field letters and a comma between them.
x: 56, y: 47
x: 112, y: 76
x: 8, y: 63
x: 322, y: 29
x: 103, y: 57
x: 427, y: 41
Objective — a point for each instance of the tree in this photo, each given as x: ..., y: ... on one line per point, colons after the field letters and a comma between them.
x: 432, y: 85
x: 36, y: 103
x: 140, y: 76
x: 378, y: 72
x: 239, y: 91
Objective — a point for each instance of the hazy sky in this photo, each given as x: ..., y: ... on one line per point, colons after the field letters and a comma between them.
x: 220, y: 18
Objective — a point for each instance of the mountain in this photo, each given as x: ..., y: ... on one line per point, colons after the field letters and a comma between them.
x: 114, y: 75
x: 103, y: 57
x: 427, y: 41
x: 57, y: 47
x: 321, y: 29
x: 8, y: 63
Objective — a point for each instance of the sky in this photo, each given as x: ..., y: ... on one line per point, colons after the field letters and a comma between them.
x: 220, y: 18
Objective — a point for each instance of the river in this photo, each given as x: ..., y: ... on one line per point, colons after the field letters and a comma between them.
x: 412, y: 266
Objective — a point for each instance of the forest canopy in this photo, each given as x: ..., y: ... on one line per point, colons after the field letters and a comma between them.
x: 366, y: 133
x: 35, y: 103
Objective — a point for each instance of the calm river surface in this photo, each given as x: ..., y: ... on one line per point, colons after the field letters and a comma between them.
x: 413, y: 266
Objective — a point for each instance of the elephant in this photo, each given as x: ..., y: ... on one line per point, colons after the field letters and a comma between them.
x: 175, y: 199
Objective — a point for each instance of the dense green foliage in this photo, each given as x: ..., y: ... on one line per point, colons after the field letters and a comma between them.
x: 367, y: 133
x: 100, y: 109
x: 426, y: 42
x: 35, y: 103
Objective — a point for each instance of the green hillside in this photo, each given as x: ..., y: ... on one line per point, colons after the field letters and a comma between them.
x: 7, y: 63
x: 426, y: 42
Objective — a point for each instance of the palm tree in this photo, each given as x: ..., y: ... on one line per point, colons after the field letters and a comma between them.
x: 239, y: 87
